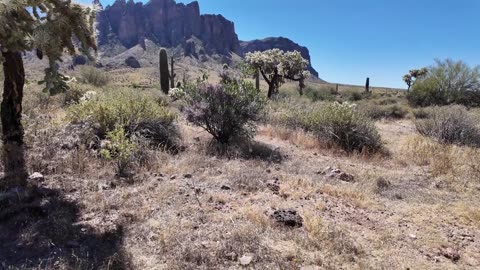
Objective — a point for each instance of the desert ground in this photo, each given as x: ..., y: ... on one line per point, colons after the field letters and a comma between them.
x: 283, y: 200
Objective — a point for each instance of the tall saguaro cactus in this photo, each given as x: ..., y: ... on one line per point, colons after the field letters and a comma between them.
x: 367, y: 85
x: 172, y: 73
x: 164, y: 74
x: 257, y: 80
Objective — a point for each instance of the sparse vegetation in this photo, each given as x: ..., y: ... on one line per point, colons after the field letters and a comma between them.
x: 93, y: 76
x: 114, y: 108
x: 451, y: 124
x: 120, y: 149
x: 342, y: 125
x: 226, y: 110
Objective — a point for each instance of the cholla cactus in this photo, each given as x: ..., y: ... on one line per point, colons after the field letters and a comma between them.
x: 413, y: 75
x: 176, y: 93
x: 276, y: 66
x: 49, y: 27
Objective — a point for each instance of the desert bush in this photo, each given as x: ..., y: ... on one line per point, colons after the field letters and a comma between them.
x: 158, y: 132
x: 119, y: 108
x: 352, y: 95
x: 75, y: 93
x: 319, y: 94
x: 421, y: 113
x: 451, y: 125
x: 120, y: 149
x: 288, y: 112
x: 93, y: 76
x: 225, y: 110
x: 390, y: 111
x: 447, y: 82
x: 342, y: 125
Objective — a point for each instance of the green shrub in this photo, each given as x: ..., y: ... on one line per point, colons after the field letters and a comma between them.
x: 447, y: 82
x: 319, y: 94
x: 75, y: 93
x: 289, y: 112
x: 120, y: 149
x: 451, y: 124
x: 93, y: 76
x: 225, y: 111
x: 342, y: 125
x: 123, y: 108
x: 352, y: 95
x: 421, y: 113
x: 378, y: 112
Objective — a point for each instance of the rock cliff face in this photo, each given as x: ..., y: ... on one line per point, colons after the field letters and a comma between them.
x: 170, y: 24
x: 166, y: 23
x: 281, y: 43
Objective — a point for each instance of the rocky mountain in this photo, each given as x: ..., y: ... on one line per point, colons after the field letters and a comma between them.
x: 125, y: 25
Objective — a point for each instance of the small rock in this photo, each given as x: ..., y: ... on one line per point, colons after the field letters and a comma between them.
x: 274, y: 186
x: 188, y: 175
x: 246, y: 259
x: 345, y: 177
x: 288, y: 217
x: 268, y: 171
x: 382, y: 184
x: 412, y: 236
x: 36, y: 176
x: 173, y: 177
x: 450, y: 253
x: 224, y: 187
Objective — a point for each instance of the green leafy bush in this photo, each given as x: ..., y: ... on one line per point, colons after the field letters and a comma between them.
x: 225, y: 111
x: 120, y: 149
x: 123, y: 108
x: 342, y: 125
x: 447, y: 82
x: 93, y: 76
x: 452, y: 124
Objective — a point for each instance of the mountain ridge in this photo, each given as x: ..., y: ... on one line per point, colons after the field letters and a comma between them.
x: 171, y: 24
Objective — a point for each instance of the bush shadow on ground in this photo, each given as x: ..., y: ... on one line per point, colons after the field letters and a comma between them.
x: 40, y: 229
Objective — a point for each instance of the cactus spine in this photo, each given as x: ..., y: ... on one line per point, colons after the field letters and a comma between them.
x: 164, y: 74
x: 172, y: 74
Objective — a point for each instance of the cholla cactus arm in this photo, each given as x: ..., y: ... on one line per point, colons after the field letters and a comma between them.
x: 50, y: 27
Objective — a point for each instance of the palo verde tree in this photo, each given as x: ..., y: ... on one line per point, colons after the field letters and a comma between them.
x: 276, y: 66
x: 48, y: 27
x: 413, y: 75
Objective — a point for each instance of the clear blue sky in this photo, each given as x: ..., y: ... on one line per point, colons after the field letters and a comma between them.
x: 352, y: 39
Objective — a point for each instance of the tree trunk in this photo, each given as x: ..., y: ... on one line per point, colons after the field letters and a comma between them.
x: 11, y: 114
x: 271, y: 89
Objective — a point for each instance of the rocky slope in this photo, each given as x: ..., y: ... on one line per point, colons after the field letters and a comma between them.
x: 126, y: 25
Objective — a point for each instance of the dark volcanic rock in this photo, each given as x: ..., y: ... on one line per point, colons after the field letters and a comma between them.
x: 132, y: 62
x: 281, y: 43
x: 167, y: 23
x: 79, y: 60
x: 288, y: 217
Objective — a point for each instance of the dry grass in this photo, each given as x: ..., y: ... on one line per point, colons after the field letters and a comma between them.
x: 199, y: 210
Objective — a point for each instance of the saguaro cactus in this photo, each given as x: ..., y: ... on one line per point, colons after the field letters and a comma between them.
x: 172, y: 73
x: 367, y: 85
x: 164, y: 74
x: 257, y: 80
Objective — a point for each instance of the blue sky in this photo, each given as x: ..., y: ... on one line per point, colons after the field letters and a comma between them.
x: 350, y: 40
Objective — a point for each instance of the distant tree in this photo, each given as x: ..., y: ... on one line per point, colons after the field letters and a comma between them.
x: 276, y: 66
x: 413, y: 75
x: 447, y: 82
x: 49, y: 27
